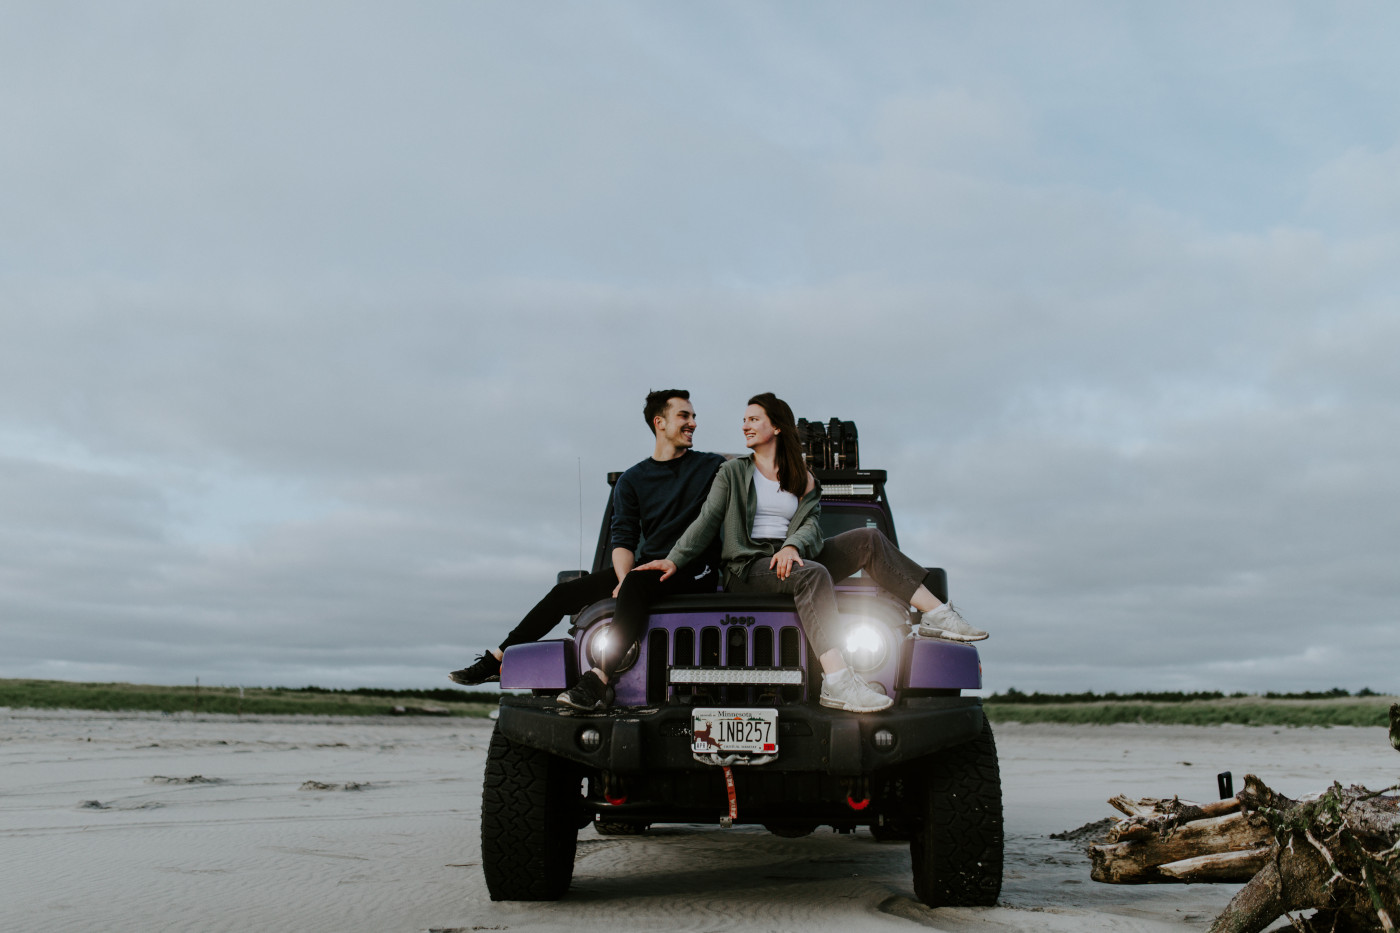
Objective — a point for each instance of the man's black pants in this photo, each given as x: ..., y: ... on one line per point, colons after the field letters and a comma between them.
x: 639, y: 590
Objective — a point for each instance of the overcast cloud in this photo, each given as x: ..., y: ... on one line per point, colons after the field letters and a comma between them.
x: 315, y: 314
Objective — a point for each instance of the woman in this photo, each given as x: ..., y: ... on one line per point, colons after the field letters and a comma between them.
x: 767, y: 507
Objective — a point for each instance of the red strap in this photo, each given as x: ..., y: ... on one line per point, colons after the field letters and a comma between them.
x: 733, y: 799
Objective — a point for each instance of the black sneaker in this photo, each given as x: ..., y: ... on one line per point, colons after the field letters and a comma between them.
x: 590, y: 693
x: 484, y: 669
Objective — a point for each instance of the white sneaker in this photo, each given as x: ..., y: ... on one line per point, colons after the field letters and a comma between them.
x: 946, y: 622
x: 845, y: 690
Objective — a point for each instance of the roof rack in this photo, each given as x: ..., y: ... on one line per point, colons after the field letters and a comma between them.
x: 833, y: 445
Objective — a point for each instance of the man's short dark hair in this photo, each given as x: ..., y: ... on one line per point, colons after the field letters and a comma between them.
x: 658, y: 400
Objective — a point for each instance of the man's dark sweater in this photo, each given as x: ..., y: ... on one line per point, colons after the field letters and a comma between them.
x: 656, y: 500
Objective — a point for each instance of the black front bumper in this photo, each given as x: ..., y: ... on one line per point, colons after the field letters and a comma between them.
x: 811, y: 739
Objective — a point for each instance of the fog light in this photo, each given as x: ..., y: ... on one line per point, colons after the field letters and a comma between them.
x: 883, y: 739
x: 590, y: 739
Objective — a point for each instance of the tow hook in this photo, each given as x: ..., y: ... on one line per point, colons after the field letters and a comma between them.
x: 859, y: 787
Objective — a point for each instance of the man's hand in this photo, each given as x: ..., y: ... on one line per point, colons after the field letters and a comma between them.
x: 617, y: 589
x: 663, y: 564
x: 783, y: 561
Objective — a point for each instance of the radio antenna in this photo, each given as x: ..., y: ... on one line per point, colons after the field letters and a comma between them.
x: 580, y: 513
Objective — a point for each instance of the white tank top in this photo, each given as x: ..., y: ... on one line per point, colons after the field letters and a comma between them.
x: 776, y: 507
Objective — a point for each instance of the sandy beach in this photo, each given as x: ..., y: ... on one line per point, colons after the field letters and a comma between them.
x: 144, y: 822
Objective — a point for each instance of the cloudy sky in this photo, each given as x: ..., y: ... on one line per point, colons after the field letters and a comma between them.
x: 315, y: 318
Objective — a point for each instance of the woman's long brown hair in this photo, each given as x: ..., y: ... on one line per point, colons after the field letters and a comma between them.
x: 792, y: 470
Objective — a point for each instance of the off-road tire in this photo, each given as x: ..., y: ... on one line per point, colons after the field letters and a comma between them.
x: 529, y: 822
x: 956, y: 845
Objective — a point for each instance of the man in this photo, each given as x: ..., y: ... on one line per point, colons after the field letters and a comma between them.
x: 653, y: 502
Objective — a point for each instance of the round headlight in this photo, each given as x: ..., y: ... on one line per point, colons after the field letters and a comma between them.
x: 602, y: 645
x: 867, y: 644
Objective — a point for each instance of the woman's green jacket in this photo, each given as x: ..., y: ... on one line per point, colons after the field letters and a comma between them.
x: 730, y: 510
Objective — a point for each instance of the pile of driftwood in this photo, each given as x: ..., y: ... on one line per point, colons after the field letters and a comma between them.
x: 1337, y: 853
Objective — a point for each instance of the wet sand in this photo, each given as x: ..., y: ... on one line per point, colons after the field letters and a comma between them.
x: 144, y: 822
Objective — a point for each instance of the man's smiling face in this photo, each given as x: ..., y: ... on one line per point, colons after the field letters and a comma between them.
x: 677, y: 424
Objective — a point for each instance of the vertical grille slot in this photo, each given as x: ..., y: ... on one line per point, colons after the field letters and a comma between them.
x: 657, y: 666
x: 709, y: 657
x: 736, y: 654
x: 790, y: 655
x: 763, y: 646
x: 684, y: 655
x: 790, y: 647
x: 709, y: 646
x: 763, y: 657
x: 685, y: 647
x: 737, y: 647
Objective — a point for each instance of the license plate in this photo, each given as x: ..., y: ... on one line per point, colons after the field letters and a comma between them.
x: 734, y: 730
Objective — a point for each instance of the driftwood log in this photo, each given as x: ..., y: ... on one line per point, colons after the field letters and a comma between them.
x: 1337, y: 853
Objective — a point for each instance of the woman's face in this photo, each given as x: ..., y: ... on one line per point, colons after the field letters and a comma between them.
x: 758, y: 430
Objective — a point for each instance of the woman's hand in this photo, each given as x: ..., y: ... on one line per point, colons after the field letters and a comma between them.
x: 783, y: 561
x: 663, y: 565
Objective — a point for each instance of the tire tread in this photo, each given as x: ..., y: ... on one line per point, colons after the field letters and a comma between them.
x: 957, y: 848
x: 529, y: 827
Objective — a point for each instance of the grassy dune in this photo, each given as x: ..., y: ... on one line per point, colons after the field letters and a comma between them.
x: 1245, y: 710
x: 58, y: 694
x: 1336, y: 709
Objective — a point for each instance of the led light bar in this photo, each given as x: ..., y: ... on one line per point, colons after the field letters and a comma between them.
x: 789, y: 676
x: 848, y: 489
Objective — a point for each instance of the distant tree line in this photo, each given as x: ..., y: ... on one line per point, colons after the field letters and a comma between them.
x: 441, y: 694
x: 1012, y: 695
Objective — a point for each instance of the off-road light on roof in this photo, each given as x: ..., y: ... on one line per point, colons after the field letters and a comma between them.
x: 791, y: 676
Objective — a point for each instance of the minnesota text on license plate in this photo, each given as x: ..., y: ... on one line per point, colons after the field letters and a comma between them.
x: 734, y: 730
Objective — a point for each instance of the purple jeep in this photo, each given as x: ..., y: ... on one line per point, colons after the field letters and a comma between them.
x: 716, y: 721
